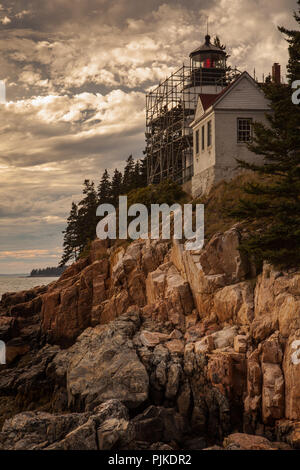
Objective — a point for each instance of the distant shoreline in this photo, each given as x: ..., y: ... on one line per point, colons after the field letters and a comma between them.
x: 45, y: 275
x: 54, y: 271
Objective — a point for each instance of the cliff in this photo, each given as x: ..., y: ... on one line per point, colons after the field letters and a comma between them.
x: 152, y: 347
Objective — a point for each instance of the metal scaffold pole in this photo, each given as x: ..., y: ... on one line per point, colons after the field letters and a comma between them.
x: 170, y: 108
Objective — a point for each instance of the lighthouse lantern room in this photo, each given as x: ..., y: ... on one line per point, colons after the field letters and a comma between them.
x: 208, y: 65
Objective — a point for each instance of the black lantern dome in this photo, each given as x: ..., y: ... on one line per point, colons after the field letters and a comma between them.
x: 208, y: 64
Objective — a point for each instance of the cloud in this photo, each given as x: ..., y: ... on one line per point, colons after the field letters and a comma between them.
x: 5, y: 20
x: 76, y: 75
x: 57, y: 128
x: 28, y: 254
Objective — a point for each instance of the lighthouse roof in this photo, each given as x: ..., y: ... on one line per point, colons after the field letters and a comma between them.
x: 207, y: 47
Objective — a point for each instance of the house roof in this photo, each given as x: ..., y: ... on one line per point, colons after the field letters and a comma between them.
x: 208, y: 101
x: 232, y: 84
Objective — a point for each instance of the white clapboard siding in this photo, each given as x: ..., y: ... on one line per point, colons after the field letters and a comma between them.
x: 244, y: 95
x: 199, y: 110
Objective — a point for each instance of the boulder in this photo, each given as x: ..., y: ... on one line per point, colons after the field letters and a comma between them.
x: 34, y: 430
x: 103, y: 364
x: 70, y: 431
x: 272, y: 393
x: 291, y: 369
x: 235, y: 303
x: 152, y: 338
x: 289, y: 432
x: 252, y: 403
x: 66, y: 310
x: 166, y: 284
x: 240, y: 344
x: 262, y: 327
x: 225, y: 337
x: 111, y: 432
x: 174, y: 376
x: 277, y: 294
x: 239, y: 441
x: 158, y: 424
x: 175, y: 346
x: 222, y: 256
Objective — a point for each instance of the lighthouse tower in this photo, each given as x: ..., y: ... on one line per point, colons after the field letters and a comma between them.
x: 171, y: 108
x: 208, y: 68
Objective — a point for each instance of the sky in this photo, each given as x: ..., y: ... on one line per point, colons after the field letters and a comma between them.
x: 76, y: 73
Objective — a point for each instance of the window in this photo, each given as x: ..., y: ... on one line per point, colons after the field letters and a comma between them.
x: 209, y: 134
x: 203, y: 138
x: 197, y: 142
x: 244, y: 129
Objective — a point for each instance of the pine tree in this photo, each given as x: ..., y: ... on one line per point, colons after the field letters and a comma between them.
x: 87, y: 219
x: 116, y: 187
x: 143, y: 173
x: 293, y: 40
x: 137, y: 175
x: 129, y: 173
x: 104, y: 189
x: 274, y: 201
x: 217, y: 43
x: 70, y: 243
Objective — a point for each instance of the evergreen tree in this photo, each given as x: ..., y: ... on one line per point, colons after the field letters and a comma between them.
x: 129, y: 173
x: 116, y: 187
x: 87, y: 219
x: 268, y: 79
x: 274, y: 201
x: 45, y: 272
x: 104, y: 189
x: 143, y: 173
x: 217, y: 43
x: 140, y: 174
x: 82, y: 221
x: 137, y: 175
x: 293, y: 39
x: 70, y: 243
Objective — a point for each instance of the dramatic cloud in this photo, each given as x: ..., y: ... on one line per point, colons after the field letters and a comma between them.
x: 76, y: 74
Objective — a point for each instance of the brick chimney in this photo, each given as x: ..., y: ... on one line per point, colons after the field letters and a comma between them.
x: 276, y: 73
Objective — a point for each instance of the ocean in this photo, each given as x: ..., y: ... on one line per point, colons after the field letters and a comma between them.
x: 15, y: 283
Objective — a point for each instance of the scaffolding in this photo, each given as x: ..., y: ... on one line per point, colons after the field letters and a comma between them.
x: 170, y: 109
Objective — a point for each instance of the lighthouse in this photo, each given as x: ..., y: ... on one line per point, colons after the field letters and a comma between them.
x: 170, y: 110
x: 208, y: 68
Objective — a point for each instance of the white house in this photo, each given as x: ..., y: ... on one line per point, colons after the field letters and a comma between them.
x: 221, y: 130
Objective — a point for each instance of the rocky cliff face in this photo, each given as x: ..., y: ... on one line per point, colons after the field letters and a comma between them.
x: 152, y: 346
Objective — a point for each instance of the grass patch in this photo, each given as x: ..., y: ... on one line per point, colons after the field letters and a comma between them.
x: 221, y: 200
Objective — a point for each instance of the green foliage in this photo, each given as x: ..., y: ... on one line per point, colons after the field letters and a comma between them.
x: 293, y: 39
x: 167, y: 192
x: 87, y: 219
x: 82, y: 221
x: 48, y: 272
x: 116, y: 186
x: 217, y: 42
x: 70, y: 243
x: 274, y: 200
x: 105, y: 189
x: 86, y: 250
x: 129, y: 176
